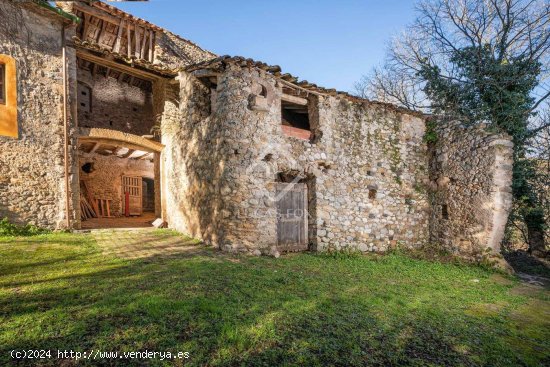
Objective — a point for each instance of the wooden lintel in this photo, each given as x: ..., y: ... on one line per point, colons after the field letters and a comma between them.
x: 294, y: 107
x: 293, y: 99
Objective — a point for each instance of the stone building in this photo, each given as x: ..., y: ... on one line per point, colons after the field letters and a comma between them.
x: 103, y: 107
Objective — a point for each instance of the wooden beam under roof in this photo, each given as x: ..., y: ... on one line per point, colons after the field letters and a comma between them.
x: 95, y: 147
x: 293, y: 99
x: 129, y: 38
x: 143, y: 155
x: 101, y: 33
x: 137, y: 42
x: 128, y: 153
x: 116, y: 47
x: 86, y: 9
x: 134, y: 147
x: 151, y: 48
x: 117, y: 66
x: 144, y: 44
x: 85, y: 26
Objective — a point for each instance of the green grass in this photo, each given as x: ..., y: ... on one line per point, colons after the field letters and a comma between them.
x: 58, y: 291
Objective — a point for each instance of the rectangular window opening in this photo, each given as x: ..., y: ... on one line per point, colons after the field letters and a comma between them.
x: 295, y: 117
x: 2, y: 84
x: 84, y: 97
x: 444, y: 211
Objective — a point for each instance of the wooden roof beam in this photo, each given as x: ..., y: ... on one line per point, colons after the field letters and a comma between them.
x: 146, y: 156
x: 86, y: 9
x: 128, y: 153
x: 141, y: 156
x: 116, y: 47
x: 117, y: 66
x: 95, y: 147
x: 293, y: 99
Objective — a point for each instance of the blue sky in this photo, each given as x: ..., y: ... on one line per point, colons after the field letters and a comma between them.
x: 327, y: 42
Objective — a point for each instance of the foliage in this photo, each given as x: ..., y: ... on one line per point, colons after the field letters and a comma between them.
x: 430, y: 136
x: 485, y: 88
x: 343, y: 253
x: 10, y: 229
x: 227, y: 310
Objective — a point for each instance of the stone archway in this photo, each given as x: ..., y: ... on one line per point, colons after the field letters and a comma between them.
x: 115, y: 137
x: 116, y: 153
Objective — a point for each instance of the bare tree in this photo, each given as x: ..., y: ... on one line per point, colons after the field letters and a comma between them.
x: 510, y: 28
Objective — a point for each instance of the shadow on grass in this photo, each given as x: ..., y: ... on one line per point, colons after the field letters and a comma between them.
x: 522, y: 262
x: 301, y: 310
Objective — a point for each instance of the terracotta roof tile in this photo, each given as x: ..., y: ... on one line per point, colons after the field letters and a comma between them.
x: 219, y: 63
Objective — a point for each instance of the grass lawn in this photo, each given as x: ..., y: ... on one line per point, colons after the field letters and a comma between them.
x: 63, y: 291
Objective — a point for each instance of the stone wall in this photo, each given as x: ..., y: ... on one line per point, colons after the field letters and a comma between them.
x: 229, y: 156
x: 116, y: 105
x: 32, y: 184
x: 105, y: 180
x: 191, y: 162
x: 471, y: 177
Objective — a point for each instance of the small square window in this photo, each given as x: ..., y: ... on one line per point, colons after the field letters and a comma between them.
x: 2, y: 84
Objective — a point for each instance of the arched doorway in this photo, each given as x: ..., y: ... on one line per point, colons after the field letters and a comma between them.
x: 119, y: 178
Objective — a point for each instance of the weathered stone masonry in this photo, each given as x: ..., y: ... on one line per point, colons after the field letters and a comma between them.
x: 32, y: 187
x: 471, y: 172
x: 115, y: 105
x: 373, y: 182
x: 362, y: 149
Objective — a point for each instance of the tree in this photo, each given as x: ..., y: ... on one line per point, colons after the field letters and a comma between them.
x: 477, y: 61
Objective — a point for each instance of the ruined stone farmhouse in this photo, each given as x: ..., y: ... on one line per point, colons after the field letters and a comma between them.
x: 105, y: 117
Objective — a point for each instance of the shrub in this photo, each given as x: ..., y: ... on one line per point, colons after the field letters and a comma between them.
x: 11, y: 230
x: 344, y: 253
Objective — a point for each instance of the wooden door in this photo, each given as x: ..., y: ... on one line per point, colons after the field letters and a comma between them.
x: 133, y: 186
x: 292, y: 233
